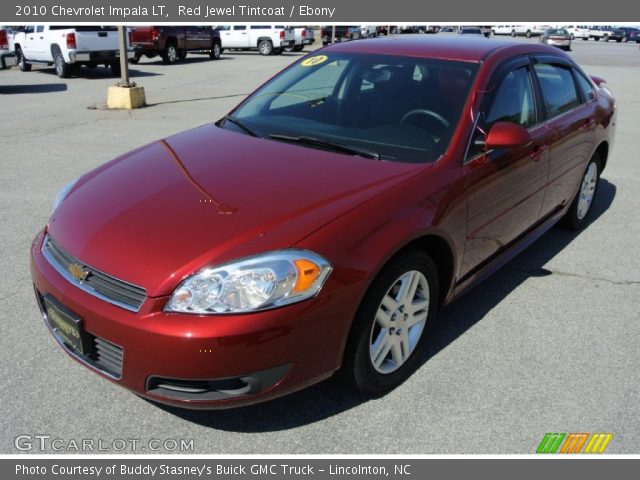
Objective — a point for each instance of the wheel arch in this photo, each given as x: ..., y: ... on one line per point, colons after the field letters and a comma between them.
x: 603, y: 152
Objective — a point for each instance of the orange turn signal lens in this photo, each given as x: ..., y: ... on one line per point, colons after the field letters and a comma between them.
x: 308, y: 272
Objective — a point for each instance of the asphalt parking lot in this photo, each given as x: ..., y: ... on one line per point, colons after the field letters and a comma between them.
x: 551, y: 343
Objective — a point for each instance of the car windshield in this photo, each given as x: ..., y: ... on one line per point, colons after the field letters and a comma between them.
x: 386, y: 107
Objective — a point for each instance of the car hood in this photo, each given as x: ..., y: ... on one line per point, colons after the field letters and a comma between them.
x: 207, y: 196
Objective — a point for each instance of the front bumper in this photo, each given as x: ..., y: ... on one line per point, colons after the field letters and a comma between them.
x: 234, y: 359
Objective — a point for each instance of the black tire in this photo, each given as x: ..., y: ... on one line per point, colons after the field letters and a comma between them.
x: 513, y: 33
x: 265, y: 47
x: 216, y: 51
x: 357, y: 368
x: 182, y: 54
x: 136, y: 58
x: 116, y: 71
x: 63, y: 69
x: 528, y: 34
x: 572, y: 37
x: 298, y: 48
x: 606, y: 38
x: 574, y: 218
x: 21, y: 62
x: 278, y: 51
x: 170, y: 55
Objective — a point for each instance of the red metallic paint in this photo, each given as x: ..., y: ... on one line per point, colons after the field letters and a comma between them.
x: 209, y: 195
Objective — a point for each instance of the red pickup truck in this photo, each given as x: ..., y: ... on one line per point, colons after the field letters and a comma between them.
x: 173, y: 42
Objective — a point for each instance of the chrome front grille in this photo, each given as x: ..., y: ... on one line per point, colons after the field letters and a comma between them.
x: 94, y: 282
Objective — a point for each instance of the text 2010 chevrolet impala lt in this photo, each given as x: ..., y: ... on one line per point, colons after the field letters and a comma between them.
x: 319, y: 226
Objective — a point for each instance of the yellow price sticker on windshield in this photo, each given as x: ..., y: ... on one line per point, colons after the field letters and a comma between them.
x: 313, y: 61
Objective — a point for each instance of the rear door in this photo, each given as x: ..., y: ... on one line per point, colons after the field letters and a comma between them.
x: 569, y: 105
x: 505, y: 186
x: 239, y: 36
x: 38, y: 44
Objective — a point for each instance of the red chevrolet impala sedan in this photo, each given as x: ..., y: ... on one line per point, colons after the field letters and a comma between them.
x: 320, y: 225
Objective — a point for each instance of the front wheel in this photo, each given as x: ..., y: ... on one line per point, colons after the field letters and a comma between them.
x: 389, y: 330
x: 528, y: 34
x: 578, y: 212
x: 216, y: 51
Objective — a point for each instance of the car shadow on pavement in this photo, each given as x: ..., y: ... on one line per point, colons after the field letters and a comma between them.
x: 204, y: 58
x: 99, y: 73
x: 331, y: 397
x: 35, y: 88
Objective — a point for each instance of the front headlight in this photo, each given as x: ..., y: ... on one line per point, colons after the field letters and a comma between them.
x: 256, y: 283
x: 62, y: 194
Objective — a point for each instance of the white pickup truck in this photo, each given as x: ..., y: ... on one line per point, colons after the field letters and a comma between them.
x: 267, y: 39
x: 303, y: 36
x: 68, y: 47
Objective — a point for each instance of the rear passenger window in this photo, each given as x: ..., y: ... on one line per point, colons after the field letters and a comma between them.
x: 585, y: 86
x: 239, y: 27
x: 558, y: 88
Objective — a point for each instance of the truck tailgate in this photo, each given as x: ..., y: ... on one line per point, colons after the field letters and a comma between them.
x: 96, y: 38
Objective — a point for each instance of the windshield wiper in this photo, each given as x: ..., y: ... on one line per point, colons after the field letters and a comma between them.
x: 240, y: 124
x: 337, y: 147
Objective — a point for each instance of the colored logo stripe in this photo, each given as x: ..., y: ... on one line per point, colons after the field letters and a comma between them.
x: 574, y: 443
x: 598, y: 443
x: 550, y: 443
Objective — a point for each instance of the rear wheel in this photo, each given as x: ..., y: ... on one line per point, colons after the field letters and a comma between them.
x: 265, y: 47
x: 578, y: 212
x: 63, y: 69
x: 136, y: 58
x: 21, y: 61
x: 170, y: 55
x: 528, y: 33
x: 513, y: 33
x: 389, y: 330
x: 116, y: 71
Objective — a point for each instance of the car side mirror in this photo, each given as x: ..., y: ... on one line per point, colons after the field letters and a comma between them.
x: 507, y: 135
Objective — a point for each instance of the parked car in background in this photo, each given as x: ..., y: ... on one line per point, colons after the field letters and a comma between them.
x: 577, y: 31
x: 503, y: 30
x: 303, y: 36
x: 631, y: 34
x: 347, y: 200
x: 448, y: 29
x: 267, y: 39
x: 557, y: 37
x: 172, y: 43
x: 68, y: 47
x: 368, y: 31
x: 529, y: 30
x: 6, y: 45
x: 606, y: 33
x: 470, y: 31
x: 342, y: 33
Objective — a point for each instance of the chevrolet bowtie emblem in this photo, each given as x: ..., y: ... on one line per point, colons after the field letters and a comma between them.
x: 77, y: 272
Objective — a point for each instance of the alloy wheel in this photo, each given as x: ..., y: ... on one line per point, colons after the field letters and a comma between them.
x: 399, y: 322
x: 587, y: 190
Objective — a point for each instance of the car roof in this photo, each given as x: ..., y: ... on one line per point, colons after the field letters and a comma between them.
x: 442, y: 48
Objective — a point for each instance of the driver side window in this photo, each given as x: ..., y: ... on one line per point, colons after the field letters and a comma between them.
x: 513, y: 101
